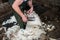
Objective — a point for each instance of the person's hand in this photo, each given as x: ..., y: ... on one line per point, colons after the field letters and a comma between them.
x: 30, y: 10
x: 24, y: 18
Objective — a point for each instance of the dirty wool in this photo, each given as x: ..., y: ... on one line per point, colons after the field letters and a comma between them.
x: 31, y: 32
x: 33, y: 29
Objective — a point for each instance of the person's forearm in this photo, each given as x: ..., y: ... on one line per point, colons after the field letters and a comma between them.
x: 17, y: 9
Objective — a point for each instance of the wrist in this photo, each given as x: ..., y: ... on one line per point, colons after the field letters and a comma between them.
x: 23, y: 16
x: 32, y: 7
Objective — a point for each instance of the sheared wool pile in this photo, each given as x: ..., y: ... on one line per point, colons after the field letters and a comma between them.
x: 32, y: 31
x: 28, y: 34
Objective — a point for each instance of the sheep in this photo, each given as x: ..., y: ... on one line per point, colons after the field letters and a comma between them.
x: 32, y: 31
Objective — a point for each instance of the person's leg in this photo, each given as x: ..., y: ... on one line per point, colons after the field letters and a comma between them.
x: 19, y: 21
